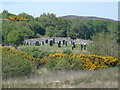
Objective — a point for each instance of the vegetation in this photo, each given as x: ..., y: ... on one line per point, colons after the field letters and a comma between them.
x: 67, y: 52
x: 107, y: 78
x: 104, y: 44
x: 51, y: 26
x: 15, y: 64
x: 49, y: 62
x: 36, y: 52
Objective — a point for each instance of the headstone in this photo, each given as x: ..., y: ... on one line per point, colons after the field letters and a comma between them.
x: 60, y: 42
x: 37, y: 43
x: 42, y: 42
x: 81, y: 46
x: 53, y: 40
x: 51, y: 43
x: 46, y: 41
x: 74, y: 45
x: 27, y: 43
x: 84, y: 47
x: 59, y: 45
x: 65, y: 43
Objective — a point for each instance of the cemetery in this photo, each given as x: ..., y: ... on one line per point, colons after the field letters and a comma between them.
x: 59, y: 41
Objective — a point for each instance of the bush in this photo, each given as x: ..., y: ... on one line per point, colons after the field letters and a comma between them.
x: 14, y: 64
x: 104, y: 44
x: 67, y: 52
x: 62, y: 62
x: 35, y: 52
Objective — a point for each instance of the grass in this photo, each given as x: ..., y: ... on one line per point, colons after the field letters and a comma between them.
x: 55, y: 48
x: 105, y: 78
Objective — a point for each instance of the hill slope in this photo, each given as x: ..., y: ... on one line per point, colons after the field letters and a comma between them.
x: 87, y: 18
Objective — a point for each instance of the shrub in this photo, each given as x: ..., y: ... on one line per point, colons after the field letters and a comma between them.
x: 62, y: 62
x: 67, y: 52
x: 35, y: 52
x: 15, y: 64
x: 69, y: 62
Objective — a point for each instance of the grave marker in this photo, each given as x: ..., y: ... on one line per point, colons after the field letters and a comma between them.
x: 51, y: 43
x: 37, y: 43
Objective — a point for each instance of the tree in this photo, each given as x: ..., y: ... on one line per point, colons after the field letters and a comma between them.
x: 25, y: 15
x: 47, y: 20
x: 104, y: 44
x: 78, y: 30
x: 50, y: 31
x: 15, y: 37
x: 6, y: 14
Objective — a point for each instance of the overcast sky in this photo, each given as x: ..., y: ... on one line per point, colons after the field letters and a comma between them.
x: 98, y: 9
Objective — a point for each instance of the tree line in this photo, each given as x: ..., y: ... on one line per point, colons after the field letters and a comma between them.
x: 47, y: 24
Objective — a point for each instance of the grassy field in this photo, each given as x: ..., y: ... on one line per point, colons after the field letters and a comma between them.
x: 42, y: 78
x: 107, y: 78
x: 55, y: 48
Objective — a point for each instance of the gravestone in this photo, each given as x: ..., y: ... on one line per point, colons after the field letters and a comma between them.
x: 59, y: 45
x: 81, y: 46
x: 42, y: 42
x: 84, y: 47
x: 46, y: 41
x: 51, y: 43
x: 27, y: 43
x: 60, y: 42
x: 65, y: 43
x: 53, y: 40
x: 37, y: 43
x: 74, y: 45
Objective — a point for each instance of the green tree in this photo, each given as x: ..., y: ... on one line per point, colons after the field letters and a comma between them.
x: 47, y: 20
x: 6, y: 14
x: 78, y: 30
x: 25, y: 15
x: 50, y: 31
x: 15, y: 37
x: 104, y: 44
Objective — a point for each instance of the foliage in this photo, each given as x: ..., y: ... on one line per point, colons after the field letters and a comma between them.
x: 17, y: 19
x: 85, y: 62
x: 52, y: 26
x: 67, y: 52
x: 104, y: 44
x: 15, y: 64
x: 35, y: 52
x: 19, y: 36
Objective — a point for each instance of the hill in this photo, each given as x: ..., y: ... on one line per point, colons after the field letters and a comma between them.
x: 87, y: 18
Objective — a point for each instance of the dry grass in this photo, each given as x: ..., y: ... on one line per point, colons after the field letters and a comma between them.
x: 107, y: 78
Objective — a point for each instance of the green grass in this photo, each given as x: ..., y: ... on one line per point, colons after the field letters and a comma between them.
x: 55, y: 48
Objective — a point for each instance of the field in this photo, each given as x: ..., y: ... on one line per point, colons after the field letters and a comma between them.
x: 107, y: 78
x: 55, y: 48
x: 44, y: 78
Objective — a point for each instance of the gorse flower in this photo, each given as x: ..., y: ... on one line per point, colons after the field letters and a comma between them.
x: 91, y: 62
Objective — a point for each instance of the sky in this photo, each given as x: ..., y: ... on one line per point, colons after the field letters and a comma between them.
x: 98, y: 9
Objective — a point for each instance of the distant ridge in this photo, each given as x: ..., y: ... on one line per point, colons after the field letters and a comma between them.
x: 87, y: 18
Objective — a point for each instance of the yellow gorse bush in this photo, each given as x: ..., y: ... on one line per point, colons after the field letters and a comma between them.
x: 22, y: 54
x: 89, y: 62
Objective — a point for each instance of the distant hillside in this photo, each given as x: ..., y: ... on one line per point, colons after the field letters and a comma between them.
x: 87, y: 18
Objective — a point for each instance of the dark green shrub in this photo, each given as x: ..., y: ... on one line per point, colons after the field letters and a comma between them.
x: 50, y: 65
x: 14, y: 65
x: 67, y: 52
x: 35, y: 52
